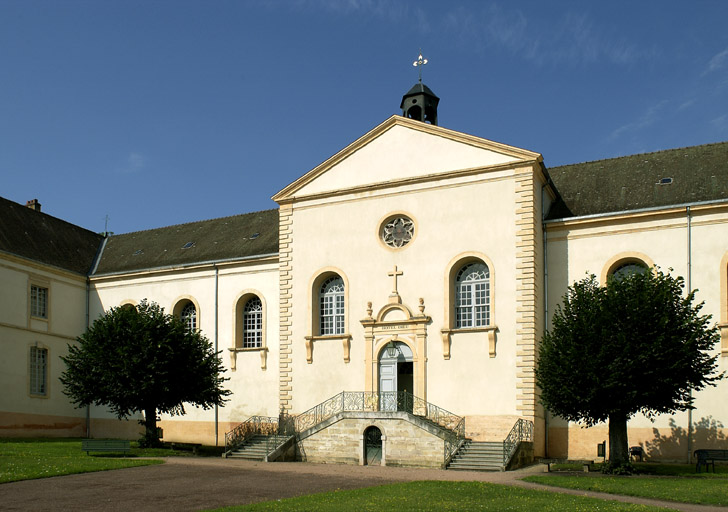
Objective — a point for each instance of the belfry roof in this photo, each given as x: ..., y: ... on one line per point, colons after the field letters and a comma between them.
x: 225, y: 239
x: 660, y: 179
x: 46, y: 239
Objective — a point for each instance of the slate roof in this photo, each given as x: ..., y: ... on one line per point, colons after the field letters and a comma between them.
x: 227, y: 238
x: 699, y: 173
x: 43, y: 238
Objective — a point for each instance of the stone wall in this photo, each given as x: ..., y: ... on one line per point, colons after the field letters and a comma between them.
x: 404, y: 441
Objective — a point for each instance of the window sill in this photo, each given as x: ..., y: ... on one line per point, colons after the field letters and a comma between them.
x: 344, y: 338
x: 234, y: 356
x: 447, y: 335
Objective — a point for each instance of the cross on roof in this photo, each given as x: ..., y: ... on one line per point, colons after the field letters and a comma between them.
x: 419, y: 63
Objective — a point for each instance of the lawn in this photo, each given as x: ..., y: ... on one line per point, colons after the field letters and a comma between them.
x: 671, y: 482
x: 25, y: 459
x: 437, y: 496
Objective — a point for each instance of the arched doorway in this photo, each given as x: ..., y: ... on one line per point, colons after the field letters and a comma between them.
x: 372, y: 446
x: 396, y: 377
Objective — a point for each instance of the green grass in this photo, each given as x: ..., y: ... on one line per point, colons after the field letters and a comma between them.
x: 671, y: 482
x: 25, y: 459
x: 438, y: 496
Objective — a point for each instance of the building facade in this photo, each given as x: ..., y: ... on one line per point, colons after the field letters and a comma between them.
x: 418, y: 261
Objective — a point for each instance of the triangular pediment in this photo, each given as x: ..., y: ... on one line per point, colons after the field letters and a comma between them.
x: 402, y: 150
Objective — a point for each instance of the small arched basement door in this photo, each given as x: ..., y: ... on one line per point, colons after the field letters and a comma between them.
x: 372, y: 446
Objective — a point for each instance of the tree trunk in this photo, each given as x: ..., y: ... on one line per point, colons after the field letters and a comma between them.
x: 150, y: 426
x: 618, y: 444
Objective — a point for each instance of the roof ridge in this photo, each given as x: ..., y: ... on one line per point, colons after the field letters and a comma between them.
x: 195, y: 222
x: 58, y: 219
x: 640, y: 154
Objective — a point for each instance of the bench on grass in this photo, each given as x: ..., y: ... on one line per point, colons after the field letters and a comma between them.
x: 105, y: 445
x: 708, y: 457
x: 585, y: 464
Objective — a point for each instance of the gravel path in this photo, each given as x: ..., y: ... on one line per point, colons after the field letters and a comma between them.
x: 187, y: 483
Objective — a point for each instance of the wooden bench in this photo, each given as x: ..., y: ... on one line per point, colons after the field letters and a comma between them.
x: 708, y: 457
x: 193, y: 447
x: 105, y: 445
x: 585, y: 464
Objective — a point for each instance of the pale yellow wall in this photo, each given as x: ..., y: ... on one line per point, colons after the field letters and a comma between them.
x: 21, y: 413
x: 586, y: 246
x: 411, y: 153
x: 452, y: 218
x: 254, y: 388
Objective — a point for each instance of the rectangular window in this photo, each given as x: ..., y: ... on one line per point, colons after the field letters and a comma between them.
x: 38, y: 371
x: 38, y: 301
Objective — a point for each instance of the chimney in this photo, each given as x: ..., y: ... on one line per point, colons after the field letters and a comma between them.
x: 33, y: 204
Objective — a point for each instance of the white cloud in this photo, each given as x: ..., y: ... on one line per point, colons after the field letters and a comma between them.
x: 651, y: 115
x: 135, y: 162
x: 719, y: 61
x: 574, y: 38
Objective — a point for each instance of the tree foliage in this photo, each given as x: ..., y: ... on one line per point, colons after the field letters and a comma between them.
x: 636, y: 345
x: 139, y: 359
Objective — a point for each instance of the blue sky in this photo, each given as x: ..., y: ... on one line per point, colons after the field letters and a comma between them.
x: 163, y: 112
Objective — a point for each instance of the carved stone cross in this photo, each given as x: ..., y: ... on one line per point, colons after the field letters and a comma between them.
x: 394, y: 274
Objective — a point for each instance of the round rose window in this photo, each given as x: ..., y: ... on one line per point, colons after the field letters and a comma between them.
x: 398, y: 232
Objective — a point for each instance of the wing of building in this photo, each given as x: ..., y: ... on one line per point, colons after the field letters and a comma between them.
x: 389, y: 310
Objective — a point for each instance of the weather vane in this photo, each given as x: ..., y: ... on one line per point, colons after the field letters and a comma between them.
x: 419, y: 63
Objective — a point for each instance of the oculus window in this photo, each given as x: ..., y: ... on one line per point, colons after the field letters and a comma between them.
x: 397, y: 231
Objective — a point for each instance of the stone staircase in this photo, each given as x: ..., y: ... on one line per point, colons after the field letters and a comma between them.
x: 478, y: 456
x: 252, y: 449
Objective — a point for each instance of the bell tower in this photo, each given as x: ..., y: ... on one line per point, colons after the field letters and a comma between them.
x: 420, y: 102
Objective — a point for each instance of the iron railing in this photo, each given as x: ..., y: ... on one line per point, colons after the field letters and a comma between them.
x: 265, y: 425
x: 452, y: 425
x: 278, y: 430
x: 454, y: 441
x: 521, y: 431
x: 286, y: 429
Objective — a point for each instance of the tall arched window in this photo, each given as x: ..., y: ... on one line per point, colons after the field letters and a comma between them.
x: 472, y: 295
x: 253, y: 323
x: 188, y: 315
x: 331, y: 306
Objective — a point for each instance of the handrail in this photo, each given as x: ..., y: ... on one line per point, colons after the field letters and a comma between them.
x: 254, y: 425
x: 279, y: 429
x: 286, y: 429
x: 522, y: 431
x: 453, y: 426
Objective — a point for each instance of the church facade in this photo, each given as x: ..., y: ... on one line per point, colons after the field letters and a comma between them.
x: 418, y: 263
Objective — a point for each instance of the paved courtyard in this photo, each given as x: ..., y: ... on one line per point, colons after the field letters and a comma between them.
x: 186, y: 484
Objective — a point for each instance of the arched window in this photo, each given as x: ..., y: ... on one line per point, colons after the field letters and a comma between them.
x: 472, y: 295
x: 253, y: 323
x: 628, y: 268
x: 331, y: 306
x: 188, y: 315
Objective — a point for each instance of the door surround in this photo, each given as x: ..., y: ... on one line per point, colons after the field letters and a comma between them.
x: 396, y: 322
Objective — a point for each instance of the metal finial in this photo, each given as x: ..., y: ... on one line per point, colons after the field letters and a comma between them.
x: 419, y: 63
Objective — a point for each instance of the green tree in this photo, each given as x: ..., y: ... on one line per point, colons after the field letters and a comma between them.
x: 637, y: 344
x: 139, y: 359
